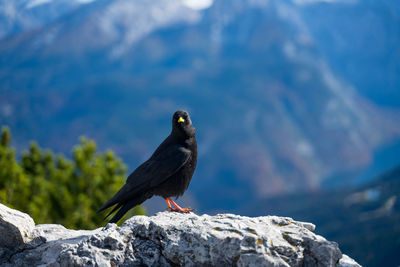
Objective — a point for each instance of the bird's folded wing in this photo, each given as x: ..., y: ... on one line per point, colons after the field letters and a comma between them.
x: 151, y: 173
x: 158, y: 168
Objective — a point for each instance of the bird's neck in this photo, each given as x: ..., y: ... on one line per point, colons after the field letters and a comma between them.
x: 187, y: 134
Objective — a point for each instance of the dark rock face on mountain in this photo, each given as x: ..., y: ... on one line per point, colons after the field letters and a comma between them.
x: 168, y: 239
x: 262, y: 96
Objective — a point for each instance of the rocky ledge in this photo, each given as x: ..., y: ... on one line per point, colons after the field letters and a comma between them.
x: 168, y: 239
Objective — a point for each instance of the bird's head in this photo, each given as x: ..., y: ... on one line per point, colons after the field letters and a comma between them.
x: 181, y: 124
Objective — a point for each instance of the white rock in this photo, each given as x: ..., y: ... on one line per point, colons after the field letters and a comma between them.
x: 15, y: 227
x: 346, y: 261
x: 168, y: 239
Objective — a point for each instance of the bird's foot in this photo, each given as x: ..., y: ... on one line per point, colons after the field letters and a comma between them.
x: 177, y: 207
x: 182, y: 210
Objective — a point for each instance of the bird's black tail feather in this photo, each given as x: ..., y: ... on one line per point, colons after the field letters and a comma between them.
x: 139, y: 199
x: 114, y: 209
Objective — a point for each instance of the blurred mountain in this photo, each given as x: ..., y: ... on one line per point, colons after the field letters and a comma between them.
x: 361, y: 40
x: 22, y: 15
x: 364, y: 220
x: 272, y: 116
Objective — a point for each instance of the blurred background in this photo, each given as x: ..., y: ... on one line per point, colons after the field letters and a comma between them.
x: 296, y: 103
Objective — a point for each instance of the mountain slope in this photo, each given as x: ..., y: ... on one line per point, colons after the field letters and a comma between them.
x: 361, y: 41
x: 271, y: 115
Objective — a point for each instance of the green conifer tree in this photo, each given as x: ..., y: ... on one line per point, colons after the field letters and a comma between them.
x: 54, y: 189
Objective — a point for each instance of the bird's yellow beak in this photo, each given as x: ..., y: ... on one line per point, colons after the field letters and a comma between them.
x: 181, y: 119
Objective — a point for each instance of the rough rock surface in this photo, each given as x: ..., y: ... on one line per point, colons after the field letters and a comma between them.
x: 168, y: 239
x: 15, y: 227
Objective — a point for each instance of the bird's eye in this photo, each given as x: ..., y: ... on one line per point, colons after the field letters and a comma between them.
x: 181, y: 120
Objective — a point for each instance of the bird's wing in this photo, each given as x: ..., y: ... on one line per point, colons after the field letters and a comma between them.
x: 160, y: 167
x: 151, y: 173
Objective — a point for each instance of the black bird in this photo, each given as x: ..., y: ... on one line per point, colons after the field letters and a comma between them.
x: 167, y: 173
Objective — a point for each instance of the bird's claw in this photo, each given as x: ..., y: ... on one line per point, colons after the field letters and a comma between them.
x: 184, y: 210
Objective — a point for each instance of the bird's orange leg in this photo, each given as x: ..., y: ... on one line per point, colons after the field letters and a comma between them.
x: 177, y: 208
x: 169, y: 204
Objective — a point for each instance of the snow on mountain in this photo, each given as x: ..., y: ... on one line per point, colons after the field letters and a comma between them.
x: 198, y: 4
